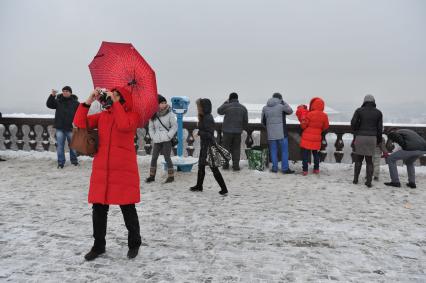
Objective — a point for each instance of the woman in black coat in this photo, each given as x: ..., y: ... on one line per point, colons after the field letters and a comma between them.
x: 206, y: 127
x: 367, y: 124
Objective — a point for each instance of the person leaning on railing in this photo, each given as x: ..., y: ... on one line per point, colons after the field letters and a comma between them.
x: 412, y: 146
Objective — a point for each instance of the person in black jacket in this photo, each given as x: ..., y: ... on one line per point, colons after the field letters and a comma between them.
x: 367, y: 124
x: 66, y: 105
x: 412, y: 146
x: 206, y: 128
x: 234, y: 122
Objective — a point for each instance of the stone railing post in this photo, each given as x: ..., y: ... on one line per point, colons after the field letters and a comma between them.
x: 32, y: 136
x: 338, y: 154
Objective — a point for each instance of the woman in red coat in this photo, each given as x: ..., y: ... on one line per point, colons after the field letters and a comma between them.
x: 115, y: 174
x: 313, y: 123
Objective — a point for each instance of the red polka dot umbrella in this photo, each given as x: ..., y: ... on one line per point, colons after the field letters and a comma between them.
x: 120, y: 64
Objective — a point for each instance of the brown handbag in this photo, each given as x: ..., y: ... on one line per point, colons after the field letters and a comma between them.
x: 84, y: 141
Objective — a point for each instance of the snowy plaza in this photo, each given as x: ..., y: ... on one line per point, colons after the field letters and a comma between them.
x: 270, y: 228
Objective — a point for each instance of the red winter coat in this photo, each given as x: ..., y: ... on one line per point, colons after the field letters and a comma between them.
x: 315, y: 123
x: 115, y: 174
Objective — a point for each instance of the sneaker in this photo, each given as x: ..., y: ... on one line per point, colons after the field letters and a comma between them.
x: 316, y: 171
x: 93, y: 254
x: 150, y: 179
x: 274, y: 170
x: 132, y: 253
x: 288, y: 171
x: 60, y: 166
x: 411, y: 185
x: 75, y: 163
x: 169, y: 179
x: 392, y: 184
x: 196, y: 189
x: 305, y: 173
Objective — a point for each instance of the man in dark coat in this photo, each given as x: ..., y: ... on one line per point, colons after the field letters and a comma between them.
x: 412, y: 146
x: 234, y: 122
x: 66, y: 105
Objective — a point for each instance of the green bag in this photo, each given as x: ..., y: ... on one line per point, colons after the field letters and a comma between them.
x: 257, y: 157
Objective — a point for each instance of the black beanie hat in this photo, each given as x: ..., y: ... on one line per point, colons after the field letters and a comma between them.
x: 161, y: 99
x: 277, y: 95
x: 67, y: 88
x: 233, y: 95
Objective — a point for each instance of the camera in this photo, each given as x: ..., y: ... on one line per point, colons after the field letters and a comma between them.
x: 103, y: 99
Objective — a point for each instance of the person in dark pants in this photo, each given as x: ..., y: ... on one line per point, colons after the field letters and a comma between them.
x: 367, y: 124
x: 162, y: 128
x: 412, y: 146
x: 234, y: 122
x: 206, y: 132
x: 66, y: 105
x: 115, y: 174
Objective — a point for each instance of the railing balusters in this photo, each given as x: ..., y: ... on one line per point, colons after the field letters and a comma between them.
x: 190, y: 142
x: 7, y: 142
x: 338, y: 154
x: 45, y: 136
x: 32, y: 136
x: 147, y: 139
x: 19, y: 137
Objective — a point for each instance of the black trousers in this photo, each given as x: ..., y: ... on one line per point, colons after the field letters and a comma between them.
x: 99, y: 217
x: 232, y: 142
x: 216, y: 173
x: 165, y: 148
x: 358, y: 165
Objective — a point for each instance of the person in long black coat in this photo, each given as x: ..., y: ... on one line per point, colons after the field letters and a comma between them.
x: 206, y: 128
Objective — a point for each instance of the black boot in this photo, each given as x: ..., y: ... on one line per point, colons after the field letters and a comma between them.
x: 393, y: 184
x: 94, y: 253
x: 357, y: 171
x: 200, y: 179
x: 411, y: 185
x: 131, y: 220
x: 99, y: 219
x: 220, y: 181
x: 370, y: 170
x: 170, y: 175
x: 132, y: 253
x: 151, y: 177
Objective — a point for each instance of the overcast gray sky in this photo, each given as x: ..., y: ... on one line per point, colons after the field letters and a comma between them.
x: 339, y: 50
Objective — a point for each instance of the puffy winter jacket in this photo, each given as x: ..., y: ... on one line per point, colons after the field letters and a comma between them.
x: 159, y: 133
x: 273, y: 117
x: 65, y: 110
x: 368, y: 121
x: 313, y: 125
x: 408, y: 140
x: 115, y: 174
x: 236, y: 117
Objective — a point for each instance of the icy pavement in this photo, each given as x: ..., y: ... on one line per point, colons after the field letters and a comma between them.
x: 270, y: 228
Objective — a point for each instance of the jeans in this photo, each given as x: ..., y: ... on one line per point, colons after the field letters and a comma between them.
x: 273, y: 147
x: 61, y: 135
x: 409, y: 157
x: 305, y: 156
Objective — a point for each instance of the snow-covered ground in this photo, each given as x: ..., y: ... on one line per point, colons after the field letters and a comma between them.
x: 270, y: 228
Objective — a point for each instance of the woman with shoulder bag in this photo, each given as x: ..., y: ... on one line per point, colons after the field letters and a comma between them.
x: 115, y: 174
x: 162, y: 129
x: 206, y: 133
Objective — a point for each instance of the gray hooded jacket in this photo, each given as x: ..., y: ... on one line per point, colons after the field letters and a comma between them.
x: 273, y: 115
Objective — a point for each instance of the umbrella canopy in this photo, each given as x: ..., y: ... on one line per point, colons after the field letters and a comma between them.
x: 121, y: 65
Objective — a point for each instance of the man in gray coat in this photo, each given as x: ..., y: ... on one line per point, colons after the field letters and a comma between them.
x: 274, y: 118
x: 412, y: 146
x: 234, y: 122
